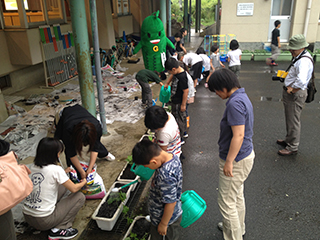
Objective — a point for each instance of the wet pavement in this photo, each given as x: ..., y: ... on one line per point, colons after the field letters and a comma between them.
x: 282, y: 193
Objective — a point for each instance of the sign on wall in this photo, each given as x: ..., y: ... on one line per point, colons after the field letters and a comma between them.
x: 245, y: 9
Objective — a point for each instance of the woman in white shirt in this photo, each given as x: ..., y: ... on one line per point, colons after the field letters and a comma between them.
x: 44, y: 209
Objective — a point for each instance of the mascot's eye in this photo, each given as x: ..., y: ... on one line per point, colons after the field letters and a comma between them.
x: 149, y: 36
x: 159, y: 34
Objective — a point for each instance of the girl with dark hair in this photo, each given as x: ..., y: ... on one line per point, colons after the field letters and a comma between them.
x: 44, y: 209
x: 234, y: 57
x: 215, y: 62
x: 77, y: 128
x: 235, y: 151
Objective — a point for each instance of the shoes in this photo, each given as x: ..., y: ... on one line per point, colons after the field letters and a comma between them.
x: 206, y: 85
x: 282, y: 143
x: 63, y: 234
x: 110, y: 157
x: 273, y: 64
x: 185, y: 135
x: 286, y: 152
x: 220, y: 226
x: 182, y: 141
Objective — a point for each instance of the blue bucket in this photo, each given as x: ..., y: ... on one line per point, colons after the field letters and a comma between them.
x: 193, y: 206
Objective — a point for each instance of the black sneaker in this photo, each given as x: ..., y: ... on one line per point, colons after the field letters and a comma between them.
x: 63, y: 234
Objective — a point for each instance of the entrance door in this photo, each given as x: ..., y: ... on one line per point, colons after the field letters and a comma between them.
x: 281, y: 10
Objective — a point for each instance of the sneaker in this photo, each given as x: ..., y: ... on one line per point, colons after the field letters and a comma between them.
x: 63, y: 234
x: 273, y: 64
x: 220, y: 226
x: 206, y: 85
x: 110, y: 157
x: 182, y: 142
x: 185, y: 135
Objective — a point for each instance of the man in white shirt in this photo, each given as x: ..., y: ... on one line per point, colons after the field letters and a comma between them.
x: 295, y: 93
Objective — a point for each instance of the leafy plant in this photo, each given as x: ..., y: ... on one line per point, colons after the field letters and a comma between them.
x: 129, y: 159
x: 118, y: 197
x: 133, y: 236
x: 125, y: 214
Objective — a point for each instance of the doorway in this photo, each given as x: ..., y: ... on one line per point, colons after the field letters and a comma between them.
x: 281, y: 10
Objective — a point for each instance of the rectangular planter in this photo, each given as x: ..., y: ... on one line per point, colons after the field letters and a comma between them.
x: 317, y: 58
x: 284, y: 57
x: 261, y: 56
x: 108, y: 223
x: 127, y: 180
x: 246, y: 56
x: 131, y: 227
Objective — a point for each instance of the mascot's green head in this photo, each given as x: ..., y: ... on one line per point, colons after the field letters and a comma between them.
x: 152, y: 32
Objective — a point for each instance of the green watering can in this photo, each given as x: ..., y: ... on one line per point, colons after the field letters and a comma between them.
x: 193, y: 206
x: 164, y: 95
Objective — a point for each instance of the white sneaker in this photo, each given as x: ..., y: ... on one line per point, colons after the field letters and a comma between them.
x: 220, y: 226
x: 110, y: 157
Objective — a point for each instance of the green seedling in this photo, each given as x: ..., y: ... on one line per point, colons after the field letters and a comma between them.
x: 118, y: 197
x: 129, y: 159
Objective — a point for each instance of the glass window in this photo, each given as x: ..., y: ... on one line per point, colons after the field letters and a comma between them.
x: 54, y: 9
x: 281, y: 7
x: 123, y: 7
x: 35, y: 11
x: 10, y: 12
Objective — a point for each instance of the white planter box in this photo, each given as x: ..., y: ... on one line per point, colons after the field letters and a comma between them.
x: 131, y: 227
x: 108, y: 223
x: 127, y: 180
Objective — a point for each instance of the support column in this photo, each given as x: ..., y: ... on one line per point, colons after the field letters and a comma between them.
x: 197, y: 15
x: 185, y: 14
x: 81, y: 39
x: 169, y: 18
x: 95, y: 36
x: 163, y: 14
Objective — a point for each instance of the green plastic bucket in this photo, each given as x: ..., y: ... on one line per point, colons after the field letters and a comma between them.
x: 164, y: 95
x: 143, y: 172
x: 193, y: 207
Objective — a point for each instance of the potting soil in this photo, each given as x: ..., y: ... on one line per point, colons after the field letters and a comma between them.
x: 141, y: 228
x: 128, y: 174
x: 108, y: 210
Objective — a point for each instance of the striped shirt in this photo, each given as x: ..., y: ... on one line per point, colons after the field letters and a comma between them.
x: 169, y: 136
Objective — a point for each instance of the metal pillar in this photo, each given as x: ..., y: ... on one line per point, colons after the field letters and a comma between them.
x: 81, y: 39
x: 189, y: 21
x: 185, y: 14
x: 163, y: 14
x: 169, y: 17
x: 95, y: 35
x: 197, y: 16
x: 218, y: 18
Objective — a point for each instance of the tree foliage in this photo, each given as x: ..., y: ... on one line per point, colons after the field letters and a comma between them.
x: 207, y: 11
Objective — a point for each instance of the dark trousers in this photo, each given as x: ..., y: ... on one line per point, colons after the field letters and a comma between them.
x: 172, y: 231
x: 7, y: 230
x: 181, y: 117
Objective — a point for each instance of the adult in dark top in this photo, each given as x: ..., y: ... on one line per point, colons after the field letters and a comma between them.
x: 145, y: 76
x: 76, y: 127
x: 179, y: 92
x: 235, y: 151
x: 275, y: 43
x: 176, y: 42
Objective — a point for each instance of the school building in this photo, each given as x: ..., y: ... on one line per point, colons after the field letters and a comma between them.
x: 253, y: 20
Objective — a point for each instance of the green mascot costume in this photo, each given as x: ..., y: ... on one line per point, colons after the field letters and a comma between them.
x: 153, y: 43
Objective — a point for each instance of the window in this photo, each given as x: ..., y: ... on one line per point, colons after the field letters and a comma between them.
x: 33, y: 14
x: 123, y: 7
x: 5, y: 82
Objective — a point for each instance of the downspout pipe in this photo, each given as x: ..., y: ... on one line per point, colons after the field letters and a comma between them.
x: 94, y: 26
x: 306, y: 22
x: 163, y: 14
x: 81, y: 39
x: 169, y: 18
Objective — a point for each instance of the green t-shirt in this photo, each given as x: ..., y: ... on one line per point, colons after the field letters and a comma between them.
x: 147, y: 75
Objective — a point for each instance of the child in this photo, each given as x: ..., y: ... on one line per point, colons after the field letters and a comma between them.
x: 165, y: 190
x: 44, y: 208
x: 179, y: 92
x: 234, y: 57
x: 275, y: 44
x: 205, y: 62
x: 215, y: 62
x: 143, y: 77
x: 195, y: 61
x: 176, y: 40
x: 167, y: 130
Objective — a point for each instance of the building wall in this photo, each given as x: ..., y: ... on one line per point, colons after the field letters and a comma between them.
x: 254, y: 29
